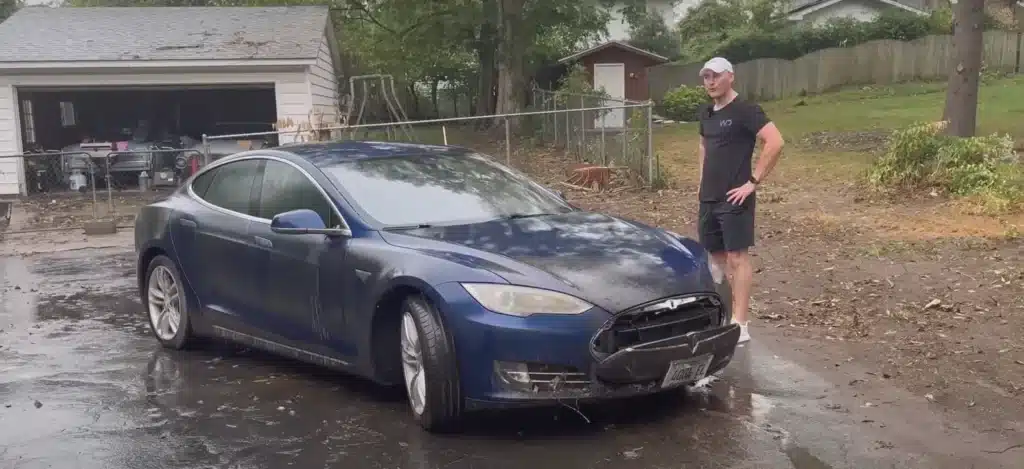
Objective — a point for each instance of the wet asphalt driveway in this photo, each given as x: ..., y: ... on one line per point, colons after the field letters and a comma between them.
x: 83, y: 385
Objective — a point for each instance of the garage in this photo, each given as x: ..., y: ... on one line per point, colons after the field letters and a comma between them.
x: 147, y: 82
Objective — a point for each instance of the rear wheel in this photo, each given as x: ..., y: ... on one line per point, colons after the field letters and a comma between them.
x: 166, y: 304
x: 428, y: 367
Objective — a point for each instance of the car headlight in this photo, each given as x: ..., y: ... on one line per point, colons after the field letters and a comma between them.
x: 524, y: 301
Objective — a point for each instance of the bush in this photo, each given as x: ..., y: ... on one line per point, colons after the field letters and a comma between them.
x: 922, y: 156
x: 683, y: 102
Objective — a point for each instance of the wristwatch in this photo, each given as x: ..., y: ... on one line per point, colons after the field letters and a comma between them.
x: 754, y: 180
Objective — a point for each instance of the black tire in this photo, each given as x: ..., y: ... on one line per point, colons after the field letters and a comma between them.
x: 443, y: 407
x: 184, y: 336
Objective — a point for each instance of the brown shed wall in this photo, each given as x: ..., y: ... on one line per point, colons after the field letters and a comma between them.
x: 636, y: 69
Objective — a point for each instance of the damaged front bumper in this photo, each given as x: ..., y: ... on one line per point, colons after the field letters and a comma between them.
x: 512, y: 361
x: 646, y: 369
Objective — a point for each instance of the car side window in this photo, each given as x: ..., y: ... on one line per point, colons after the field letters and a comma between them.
x: 285, y: 188
x: 231, y: 186
x: 202, y: 182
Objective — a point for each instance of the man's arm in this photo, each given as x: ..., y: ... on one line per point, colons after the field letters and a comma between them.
x: 771, y: 139
x: 700, y: 162
x: 771, y: 149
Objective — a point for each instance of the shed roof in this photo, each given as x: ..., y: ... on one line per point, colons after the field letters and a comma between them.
x: 615, y: 44
x: 43, y: 34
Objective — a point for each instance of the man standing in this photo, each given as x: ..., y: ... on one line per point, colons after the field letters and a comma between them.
x: 729, y: 130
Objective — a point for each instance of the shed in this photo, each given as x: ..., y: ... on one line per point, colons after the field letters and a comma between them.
x: 619, y: 68
x: 68, y: 73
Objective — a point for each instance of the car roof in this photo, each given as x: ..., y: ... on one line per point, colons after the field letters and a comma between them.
x: 324, y: 154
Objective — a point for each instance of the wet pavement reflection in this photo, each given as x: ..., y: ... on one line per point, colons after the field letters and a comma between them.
x: 84, y: 385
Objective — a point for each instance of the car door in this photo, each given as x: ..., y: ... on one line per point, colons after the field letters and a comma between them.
x: 219, y: 254
x: 297, y: 295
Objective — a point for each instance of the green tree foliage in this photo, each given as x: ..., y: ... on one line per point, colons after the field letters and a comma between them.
x: 713, y: 23
x: 648, y: 31
x: 752, y: 29
x: 8, y: 7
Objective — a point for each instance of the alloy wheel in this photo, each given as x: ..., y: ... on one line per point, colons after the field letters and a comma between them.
x: 412, y: 364
x: 164, y: 303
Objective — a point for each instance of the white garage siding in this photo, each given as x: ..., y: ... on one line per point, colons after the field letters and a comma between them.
x: 323, y: 87
x: 10, y: 142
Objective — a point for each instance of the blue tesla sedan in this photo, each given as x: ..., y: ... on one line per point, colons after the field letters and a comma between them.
x: 433, y: 267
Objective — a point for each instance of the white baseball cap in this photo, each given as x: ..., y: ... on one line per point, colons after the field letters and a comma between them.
x: 717, y: 65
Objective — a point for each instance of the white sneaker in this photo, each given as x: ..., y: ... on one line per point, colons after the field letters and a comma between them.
x: 744, y: 333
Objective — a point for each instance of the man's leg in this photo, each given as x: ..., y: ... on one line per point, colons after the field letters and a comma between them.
x: 738, y: 236
x: 709, y: 233
x: 741, y: 274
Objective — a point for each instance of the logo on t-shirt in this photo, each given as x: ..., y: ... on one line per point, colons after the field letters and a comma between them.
x: 725, y: 123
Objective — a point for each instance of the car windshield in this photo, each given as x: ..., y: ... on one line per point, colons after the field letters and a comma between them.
x: 440, y: 189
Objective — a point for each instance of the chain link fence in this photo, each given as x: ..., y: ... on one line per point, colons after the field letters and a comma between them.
x: 558, y: 133
x: 600, y: 130
x: 558, y: 130
x: 96, y: 185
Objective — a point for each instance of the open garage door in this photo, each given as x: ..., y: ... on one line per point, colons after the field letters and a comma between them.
x: 143, y: 126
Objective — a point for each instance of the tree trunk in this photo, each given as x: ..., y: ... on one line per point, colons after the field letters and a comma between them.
x: 486, y: 47
x: 961, y: 109
x: 433, y: 97
x: 413, y: 96
x: 511, y: 65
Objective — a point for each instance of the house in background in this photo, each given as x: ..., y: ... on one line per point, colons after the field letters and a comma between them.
x: 818, y: 12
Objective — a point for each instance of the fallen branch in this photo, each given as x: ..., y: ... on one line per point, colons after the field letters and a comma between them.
x: 574, y: 186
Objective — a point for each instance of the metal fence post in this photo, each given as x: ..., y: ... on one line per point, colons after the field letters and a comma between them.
x: 568, y: 125
x: 624, y: 133
x: 508, y: 144
x: 554, y: 117
x: 650, y: 142
x: 583, y: 127
x: 206, y: 150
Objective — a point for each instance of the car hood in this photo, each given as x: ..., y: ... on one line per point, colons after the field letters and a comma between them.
x: 610, y: 262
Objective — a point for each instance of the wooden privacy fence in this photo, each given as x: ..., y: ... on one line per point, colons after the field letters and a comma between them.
x: 875, y: 62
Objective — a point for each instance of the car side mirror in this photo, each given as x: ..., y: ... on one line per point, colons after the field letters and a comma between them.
x: 303, y: 221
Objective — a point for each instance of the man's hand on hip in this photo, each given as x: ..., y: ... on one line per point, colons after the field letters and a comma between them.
x: 738, y: 195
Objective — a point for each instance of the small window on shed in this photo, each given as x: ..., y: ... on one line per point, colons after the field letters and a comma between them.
x: 67, y: 113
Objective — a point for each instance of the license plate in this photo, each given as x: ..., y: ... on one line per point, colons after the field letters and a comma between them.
x: 687, y: 371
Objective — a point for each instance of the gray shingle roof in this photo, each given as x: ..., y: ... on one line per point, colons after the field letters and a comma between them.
x: 41, y: 34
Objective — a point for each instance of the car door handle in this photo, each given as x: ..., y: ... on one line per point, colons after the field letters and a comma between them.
x: 188, y: 223
x: 264, y: 242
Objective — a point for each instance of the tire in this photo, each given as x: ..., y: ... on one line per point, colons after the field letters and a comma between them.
x: 181, y: 335
x: 442, y: 405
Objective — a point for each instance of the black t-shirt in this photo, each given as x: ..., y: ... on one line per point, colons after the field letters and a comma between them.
x: 730, y: 135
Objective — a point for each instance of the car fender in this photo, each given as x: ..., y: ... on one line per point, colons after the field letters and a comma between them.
x: 419, y: 272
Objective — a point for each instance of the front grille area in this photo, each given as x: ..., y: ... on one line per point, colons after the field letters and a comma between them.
x: 660, y: 320
x: 541, y: 377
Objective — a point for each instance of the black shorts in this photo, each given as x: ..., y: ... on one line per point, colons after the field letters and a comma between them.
x: 726, y: 227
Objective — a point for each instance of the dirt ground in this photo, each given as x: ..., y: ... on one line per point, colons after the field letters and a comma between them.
x: 914, y: 291
x: 917, y: 292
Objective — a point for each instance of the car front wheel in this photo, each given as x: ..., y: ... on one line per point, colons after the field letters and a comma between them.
x: 428, y: 367
x: 166, y: 304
